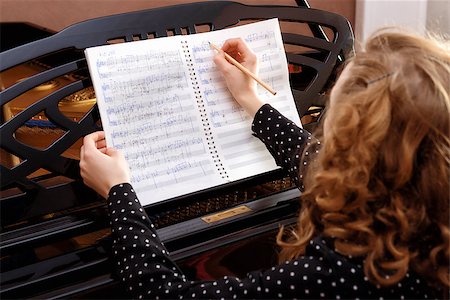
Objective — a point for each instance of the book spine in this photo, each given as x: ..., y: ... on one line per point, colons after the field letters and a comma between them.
x: 203, y: 113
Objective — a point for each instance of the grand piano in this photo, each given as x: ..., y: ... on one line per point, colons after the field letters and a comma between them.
x: 55, y: 238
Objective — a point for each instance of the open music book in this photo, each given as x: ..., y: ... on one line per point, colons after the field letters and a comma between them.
x: 164, y: 104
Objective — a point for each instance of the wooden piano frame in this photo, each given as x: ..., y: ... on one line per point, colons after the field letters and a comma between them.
x: 40, y: 208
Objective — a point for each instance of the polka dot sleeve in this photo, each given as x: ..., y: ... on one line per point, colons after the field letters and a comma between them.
x: 142, y: 261
x: 284, y: 140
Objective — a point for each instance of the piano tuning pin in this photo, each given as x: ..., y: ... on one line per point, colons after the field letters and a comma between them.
x: 198, y: 208
x: 217, y: 202
x: 271, y: 186
x: 204, y: 206
x: 226, y: 200
x: 276, y: 185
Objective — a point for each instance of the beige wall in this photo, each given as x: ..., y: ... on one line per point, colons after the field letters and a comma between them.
x: 419, y: 16
x: 58, y: 14
x: 438, y: 15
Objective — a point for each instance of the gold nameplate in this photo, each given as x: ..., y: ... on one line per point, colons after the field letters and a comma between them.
x: 226, y: 214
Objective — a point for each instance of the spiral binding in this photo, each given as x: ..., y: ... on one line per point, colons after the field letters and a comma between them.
x: 203, y: 113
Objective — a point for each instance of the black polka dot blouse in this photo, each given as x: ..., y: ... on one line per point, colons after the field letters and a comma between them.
x: 144, y: 265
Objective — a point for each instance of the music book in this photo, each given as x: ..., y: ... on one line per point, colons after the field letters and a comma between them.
x: 164, y: 104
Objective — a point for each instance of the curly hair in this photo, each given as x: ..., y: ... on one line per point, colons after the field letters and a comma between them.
x: 380, y: 184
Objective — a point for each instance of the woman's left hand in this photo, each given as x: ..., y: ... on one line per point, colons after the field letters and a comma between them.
x: 101, y: 167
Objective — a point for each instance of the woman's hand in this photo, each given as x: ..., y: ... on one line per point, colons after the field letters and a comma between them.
x: 101, y: 167
x: 241, y: 86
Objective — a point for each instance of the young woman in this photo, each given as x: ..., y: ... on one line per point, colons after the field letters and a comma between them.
x: 374, y: 221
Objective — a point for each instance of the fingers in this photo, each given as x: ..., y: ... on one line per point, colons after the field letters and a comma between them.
x: 101, y: 144
x: 238, y: 49
x: 235, y: 44
x: 82, y: 163
x: 221, y: 62
x: 112, y: 152
x: 81, y: 157
x: 94, y: 143
x: 98, y: 135
x: 90, y: 140
x: 94, y: 140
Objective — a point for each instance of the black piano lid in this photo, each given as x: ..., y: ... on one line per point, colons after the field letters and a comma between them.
x: 54, y: 230
x: 320, y: 65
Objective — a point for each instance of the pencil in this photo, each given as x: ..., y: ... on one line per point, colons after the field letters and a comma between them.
x: 244, y: 70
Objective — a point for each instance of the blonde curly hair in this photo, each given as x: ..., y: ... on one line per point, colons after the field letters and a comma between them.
x: 380, y: 184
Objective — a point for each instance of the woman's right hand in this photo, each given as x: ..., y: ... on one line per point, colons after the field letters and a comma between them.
x: 241, y: 86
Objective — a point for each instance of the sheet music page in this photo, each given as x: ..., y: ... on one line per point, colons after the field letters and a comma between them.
x: 148, y: 111
x: 164, y: 104
x: 243, y: 154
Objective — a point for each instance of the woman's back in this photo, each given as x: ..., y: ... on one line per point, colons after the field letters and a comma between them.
x: 380, y: 187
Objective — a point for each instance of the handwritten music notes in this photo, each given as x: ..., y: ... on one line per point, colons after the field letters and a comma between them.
x: 164, y: 104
